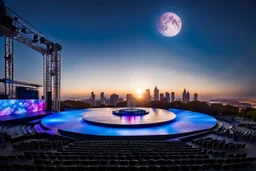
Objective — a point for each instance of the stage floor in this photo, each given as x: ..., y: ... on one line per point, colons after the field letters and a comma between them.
x: 72, y: 122
x: 106, y: 118
x: 25, y: 116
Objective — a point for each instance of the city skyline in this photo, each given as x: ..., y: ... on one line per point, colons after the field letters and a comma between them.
x: 178, y: 94
x: 125, y: 52
x: 146, y: 95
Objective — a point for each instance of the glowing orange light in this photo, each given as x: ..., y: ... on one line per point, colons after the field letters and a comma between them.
x: 139, y: 93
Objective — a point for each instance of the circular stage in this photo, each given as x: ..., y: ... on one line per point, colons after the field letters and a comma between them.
x: 129, y: 118
x: 71, y: 123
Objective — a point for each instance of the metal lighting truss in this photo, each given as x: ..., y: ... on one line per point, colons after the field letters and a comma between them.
x: 26, y: 34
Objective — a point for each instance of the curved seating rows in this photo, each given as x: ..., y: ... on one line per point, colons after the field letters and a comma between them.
x: 119, y: 155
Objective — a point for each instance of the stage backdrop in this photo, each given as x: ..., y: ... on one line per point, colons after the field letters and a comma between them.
x: 14, y: 107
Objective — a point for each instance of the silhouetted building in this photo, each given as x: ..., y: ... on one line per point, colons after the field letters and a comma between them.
x: 131, y: 102
x: 188, y: 97
x: 156, y: 94
x: 195, y: 97
x: 184, y: 96
x: 162, y: 97
x: 168, y: 97
x: 146, y: 96
x: 93, y: 100
x: 107, y: 101
x: 172, y: 96
x: 102, y: 98
x: 114, y: 99
x: 98, y: 102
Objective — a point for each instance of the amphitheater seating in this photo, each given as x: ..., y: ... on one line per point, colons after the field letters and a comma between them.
x: 39, y: 144
x: 246, y: 135
x: 215, y: 143
x: 247, y: 124
x: 243, y: 135
x: 118, y: 155
x: 16, y: 130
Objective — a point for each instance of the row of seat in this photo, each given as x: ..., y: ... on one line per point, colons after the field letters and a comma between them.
x: 13, y: 129
x: 215, y: 143
x: 39, y: 144
x: 249, y: 125
x: 238, y: 155
x: 121, y: 157
x: 251, y: 135
x: 117, y: 155
x: 99, y: 150
x: 142, y: 162
x: 199, y: 151
x: 128, y: 142
x: 137, y: 144
x: 129, y: 147
x: 125, y: 168
x: 18, y: 146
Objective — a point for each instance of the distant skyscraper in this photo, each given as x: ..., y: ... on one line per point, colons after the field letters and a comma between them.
x: 98, y: 102
x: 195, y: 97
x: 162, y: 97
x: 102, y: 98
x: 107, y: 101
x: 188, y: 97
x: 130, y: 100
x: 168, y: 97
x: 184, y: 96
x: 146, y: 96
x: 156, y: 94
x: 173, y: 96
x: 93, y: 100
x: 114, y: 99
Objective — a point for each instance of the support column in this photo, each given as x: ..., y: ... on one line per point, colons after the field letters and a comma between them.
x: 9, y: 67
x: 44, y: 79
x: 47, y: 84
x: 56, y: 79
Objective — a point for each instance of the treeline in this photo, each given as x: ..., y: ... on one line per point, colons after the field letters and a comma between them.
x: 196, y: 106
x: 250, y: 114
x: 203, y: 107
x: 73, y: 104
x: 76, y: 104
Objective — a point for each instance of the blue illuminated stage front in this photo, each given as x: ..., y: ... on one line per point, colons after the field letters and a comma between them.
x: 72, y: 123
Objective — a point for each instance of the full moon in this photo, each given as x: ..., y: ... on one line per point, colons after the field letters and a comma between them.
x: 169, y: 24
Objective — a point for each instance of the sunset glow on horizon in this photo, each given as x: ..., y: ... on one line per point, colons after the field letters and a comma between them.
x: 139, y: 93
x: 100, y: 55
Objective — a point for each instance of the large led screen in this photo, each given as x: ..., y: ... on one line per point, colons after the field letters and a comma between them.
x: 14, y: 107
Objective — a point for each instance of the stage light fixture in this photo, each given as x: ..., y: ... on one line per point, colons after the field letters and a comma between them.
x: 23, y: 30
x: 42, y: 40
x: 35, y: 39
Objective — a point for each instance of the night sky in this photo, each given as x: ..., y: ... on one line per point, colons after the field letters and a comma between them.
x: 115, y: 47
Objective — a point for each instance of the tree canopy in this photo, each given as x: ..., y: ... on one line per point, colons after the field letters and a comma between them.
x: 196, y: 106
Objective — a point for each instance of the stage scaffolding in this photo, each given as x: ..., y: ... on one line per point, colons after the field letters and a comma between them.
x: 13, y: 27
